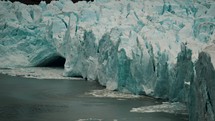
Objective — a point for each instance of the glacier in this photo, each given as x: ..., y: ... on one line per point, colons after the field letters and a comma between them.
x: 162, y: 48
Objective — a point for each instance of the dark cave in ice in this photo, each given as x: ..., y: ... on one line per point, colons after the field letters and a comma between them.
x: 55, y: 61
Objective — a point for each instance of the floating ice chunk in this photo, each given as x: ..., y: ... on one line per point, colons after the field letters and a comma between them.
x: 90, y: 119
x: 111, y: 94
x: 166, y: 107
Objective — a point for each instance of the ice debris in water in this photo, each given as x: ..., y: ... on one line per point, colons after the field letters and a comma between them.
x: 37, y: 72
x: 166, y: 107
x: 90, y: 119
x: 112, y: 94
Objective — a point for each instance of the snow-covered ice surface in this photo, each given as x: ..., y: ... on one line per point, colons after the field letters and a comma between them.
x: 166, y: 107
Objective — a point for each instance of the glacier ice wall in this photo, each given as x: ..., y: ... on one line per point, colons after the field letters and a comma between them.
x: 142, y: 47
x: 202, y: 97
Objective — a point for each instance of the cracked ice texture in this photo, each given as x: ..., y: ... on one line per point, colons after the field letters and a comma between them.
x: 202, y: 97
x: 142, y: 47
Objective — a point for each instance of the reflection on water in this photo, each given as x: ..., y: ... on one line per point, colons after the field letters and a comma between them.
x: 23, y: 99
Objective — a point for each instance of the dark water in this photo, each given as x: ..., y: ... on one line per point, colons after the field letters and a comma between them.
x: 23, y: 99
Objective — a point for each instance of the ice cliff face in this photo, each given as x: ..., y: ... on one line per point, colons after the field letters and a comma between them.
x: 143, y: 47
x: 202, y: 97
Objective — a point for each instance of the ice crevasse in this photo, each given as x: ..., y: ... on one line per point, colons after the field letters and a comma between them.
x: 142, y: 47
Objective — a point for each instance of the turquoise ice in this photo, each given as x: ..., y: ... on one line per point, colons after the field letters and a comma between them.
x: 141, y: 47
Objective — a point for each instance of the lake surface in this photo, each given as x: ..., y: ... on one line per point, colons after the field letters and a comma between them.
x: 26, y: 99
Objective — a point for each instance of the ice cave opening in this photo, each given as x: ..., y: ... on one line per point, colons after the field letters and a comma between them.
x: 54, y: 61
